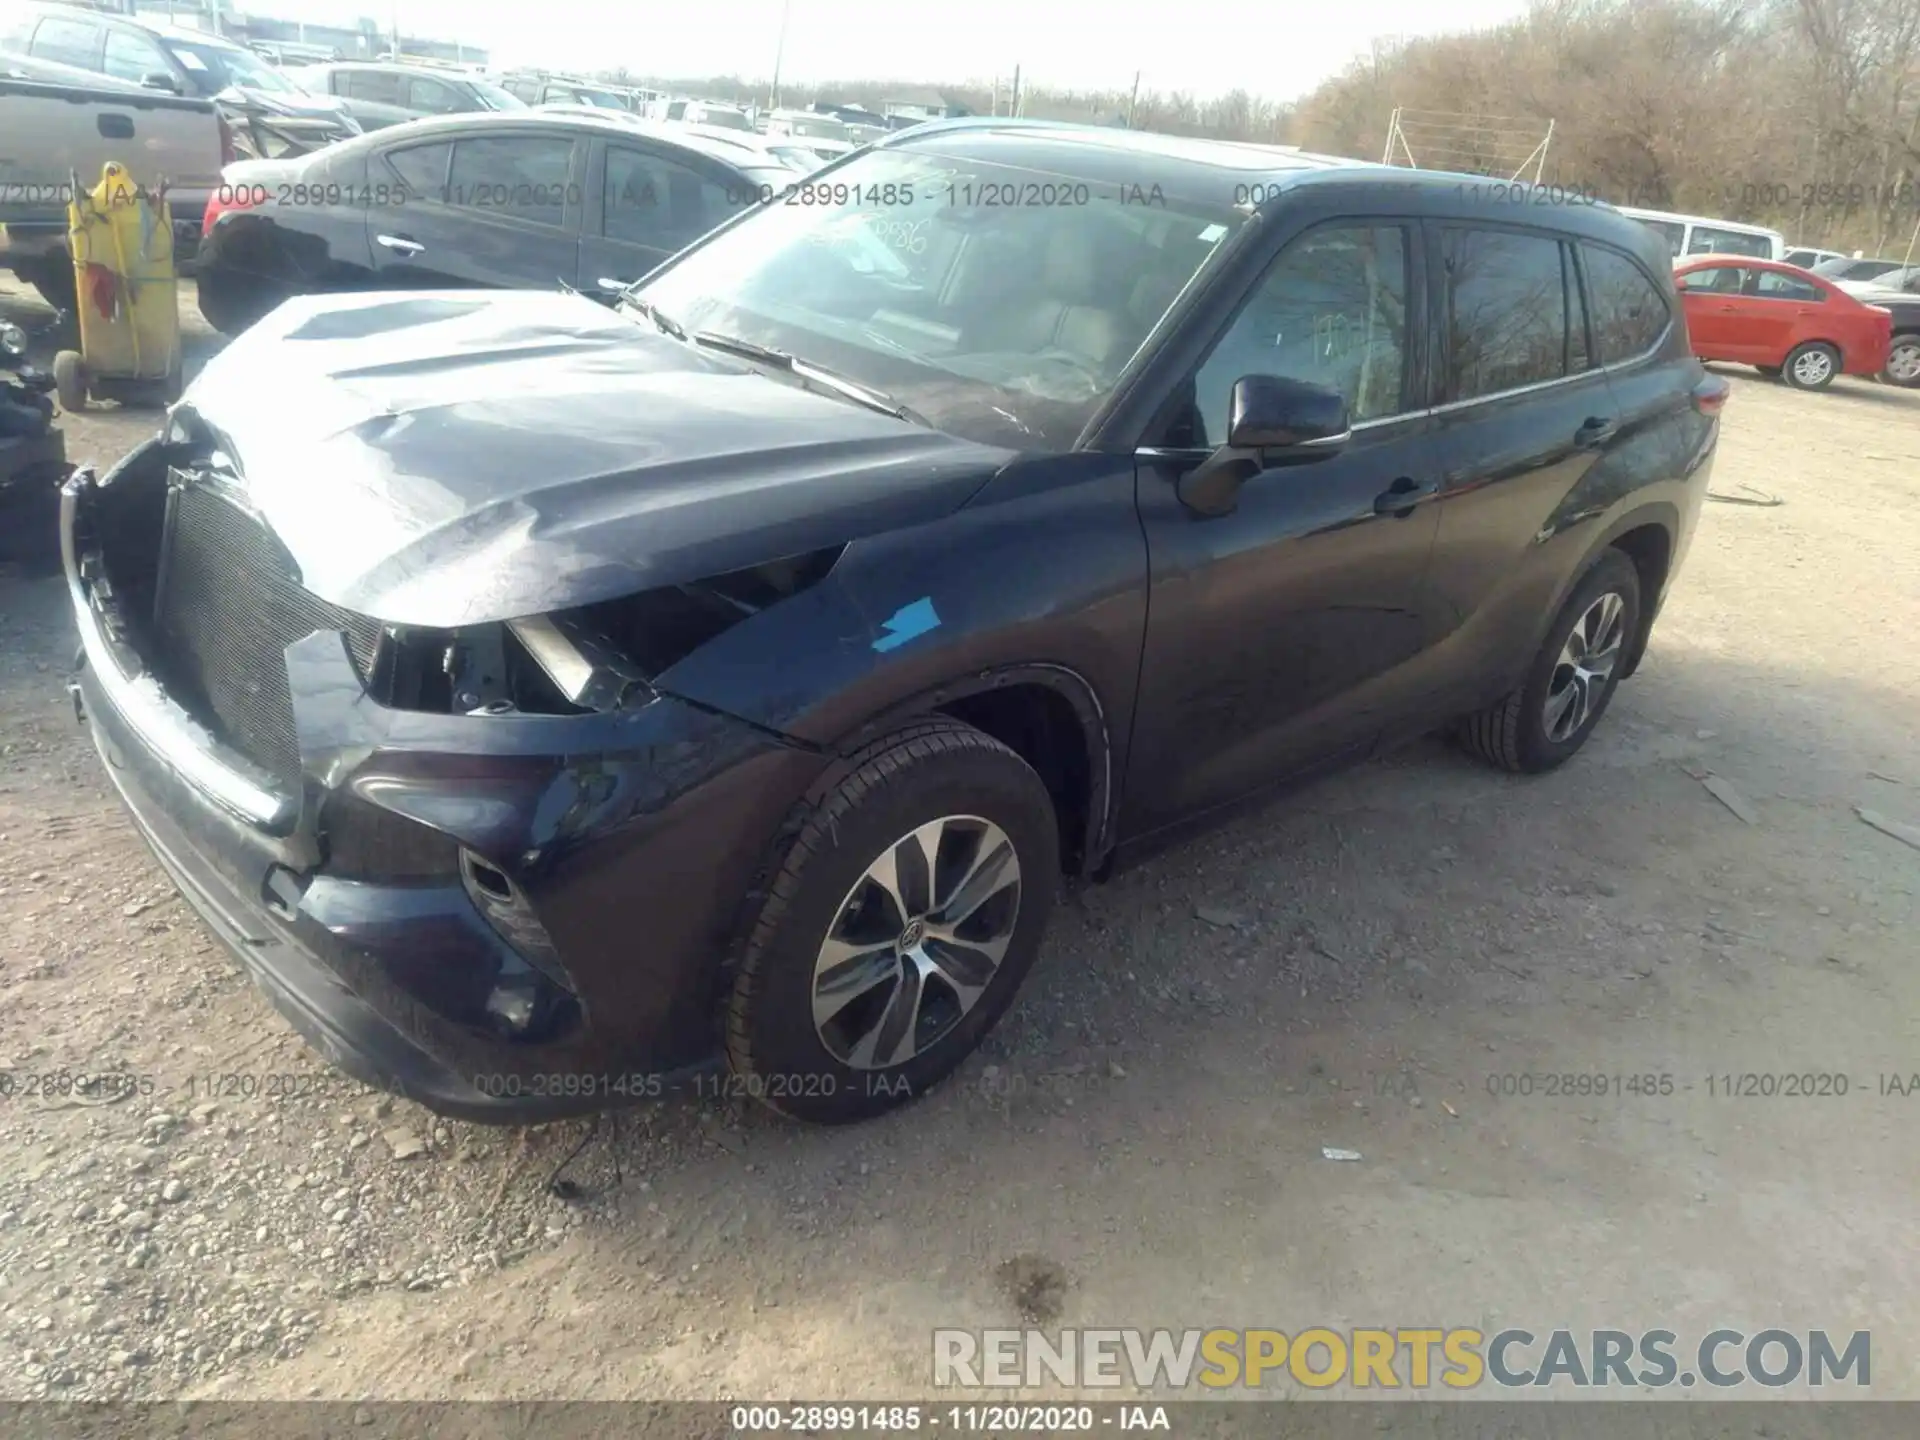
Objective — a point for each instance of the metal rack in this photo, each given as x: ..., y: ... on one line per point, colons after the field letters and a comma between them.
x: 1474, y: 144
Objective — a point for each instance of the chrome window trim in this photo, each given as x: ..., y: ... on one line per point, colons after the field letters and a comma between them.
x: 1645, y: 355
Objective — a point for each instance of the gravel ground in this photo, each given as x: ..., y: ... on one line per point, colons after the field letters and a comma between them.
x: 1140, y: 1143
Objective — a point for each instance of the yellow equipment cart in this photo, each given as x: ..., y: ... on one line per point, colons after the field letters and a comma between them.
x: 128, y: 304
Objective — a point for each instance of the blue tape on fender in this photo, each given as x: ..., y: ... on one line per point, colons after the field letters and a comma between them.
x: 909, y: 622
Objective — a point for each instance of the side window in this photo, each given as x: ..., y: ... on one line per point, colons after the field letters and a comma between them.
x: 1708, y: 241
x: 527, y: 90
x: 1506, y: 312
x: 423, y: 168
x: 1331, y: 309
x: 374, y: 86
x: 70, y: 42
x: 433, y: 98
x: 1715, y: 280
x: 1629, y: 314
x: 1772, y: 285
x: 653, y: 201
x: 522, y: 176
x: 130, y: 57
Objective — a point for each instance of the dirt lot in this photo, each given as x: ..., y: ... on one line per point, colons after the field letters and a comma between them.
x: 1141, y: 1144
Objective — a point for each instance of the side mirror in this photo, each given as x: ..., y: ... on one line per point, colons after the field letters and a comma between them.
x: 160, y: 80
x: 1271, y: 420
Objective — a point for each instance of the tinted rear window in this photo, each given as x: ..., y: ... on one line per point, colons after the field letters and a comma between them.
x: 1629, y: 312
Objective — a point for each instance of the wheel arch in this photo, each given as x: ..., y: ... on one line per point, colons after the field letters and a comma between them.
x: 1048, y: 714
x: 1647, y: 536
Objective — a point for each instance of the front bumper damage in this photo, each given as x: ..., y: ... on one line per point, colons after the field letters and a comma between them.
x: 619, y: 835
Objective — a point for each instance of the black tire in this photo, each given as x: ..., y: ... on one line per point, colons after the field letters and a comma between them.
x: 912, y: 778
x: 1513, y: 733
x: 1772, y: 372
x: 1815, y: 379
x: 231, y: 301
x: 1906, y: 348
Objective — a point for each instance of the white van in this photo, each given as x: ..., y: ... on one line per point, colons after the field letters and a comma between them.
x: 1699, y: 235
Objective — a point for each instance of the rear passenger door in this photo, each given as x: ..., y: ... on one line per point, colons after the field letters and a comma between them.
x: 491, y: 209
x: 1525, y: 413
x: 644, y: 206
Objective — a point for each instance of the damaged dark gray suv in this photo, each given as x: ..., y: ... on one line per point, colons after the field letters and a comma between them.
x: 544, y: 700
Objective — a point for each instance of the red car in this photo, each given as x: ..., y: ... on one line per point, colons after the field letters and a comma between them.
x: 1780, y: 319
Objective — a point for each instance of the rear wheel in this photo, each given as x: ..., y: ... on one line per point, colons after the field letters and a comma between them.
x: 897, y: 927
x: 1903, y: 361
x: 1812, y: 366
x: 1572, y: 679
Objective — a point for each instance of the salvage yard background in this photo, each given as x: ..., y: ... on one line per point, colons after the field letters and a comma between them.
x: 1140, y: 1144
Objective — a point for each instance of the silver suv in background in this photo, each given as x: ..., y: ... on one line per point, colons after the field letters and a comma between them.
x: 379, y: 93
x: 167, y: 59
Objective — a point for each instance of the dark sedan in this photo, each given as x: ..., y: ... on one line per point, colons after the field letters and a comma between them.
x: 526, y: 199
x: 542, y: 699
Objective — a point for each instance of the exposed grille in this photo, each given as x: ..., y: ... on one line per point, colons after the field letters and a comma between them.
x: 228, y: 608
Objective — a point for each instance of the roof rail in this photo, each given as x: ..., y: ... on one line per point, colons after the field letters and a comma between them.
x: 983, y: 122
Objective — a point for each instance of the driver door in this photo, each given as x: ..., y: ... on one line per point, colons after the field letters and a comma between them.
x: 1280, y: 636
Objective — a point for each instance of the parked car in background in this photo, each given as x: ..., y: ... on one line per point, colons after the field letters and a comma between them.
x: 538, y: 87
x: 379, y: 94
x: 1697, y: 235
x: 510, y: 200
x: 525, y: 688
x: 1780, y: 319
x: 707, y: 112
x: 168, y: 59
x: 1900, y: 280
x: 1848, y: 268
x: 1807, y: 257
x: 54, y: 129
x: 750, y: 150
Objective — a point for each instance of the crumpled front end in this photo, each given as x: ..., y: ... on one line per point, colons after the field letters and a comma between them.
x: 492, y: 869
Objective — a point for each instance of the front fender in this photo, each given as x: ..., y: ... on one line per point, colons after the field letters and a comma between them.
x: 1042, y: 584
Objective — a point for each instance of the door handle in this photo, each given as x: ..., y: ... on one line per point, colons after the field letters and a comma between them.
x: 1403, y: 495
x: 1595, y: 433
x: 1729, y: 309
x: 401, y: 245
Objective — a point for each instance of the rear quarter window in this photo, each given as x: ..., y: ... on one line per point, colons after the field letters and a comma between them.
x: 1629, y: 313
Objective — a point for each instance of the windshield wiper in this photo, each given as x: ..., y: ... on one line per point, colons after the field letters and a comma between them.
x: 806, y: 370
x: 659, y: 317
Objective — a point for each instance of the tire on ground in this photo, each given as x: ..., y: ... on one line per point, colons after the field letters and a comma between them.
x: 927, y: 771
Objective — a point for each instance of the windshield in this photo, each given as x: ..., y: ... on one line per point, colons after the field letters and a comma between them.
x: 1842, y: 268
x: 724, y: 119
x: 494, y: 98
x: 1000, y: 303
x: 599, y: 99
x: 216, y: 67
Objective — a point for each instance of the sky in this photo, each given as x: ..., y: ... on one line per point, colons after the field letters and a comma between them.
x: 1279, y: 49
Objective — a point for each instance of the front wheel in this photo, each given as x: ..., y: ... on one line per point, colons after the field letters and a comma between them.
x: 1812, y: 366
x: 1903, y: 362
x: 231, y: 301
x: 1572, y: 679
x: 896, y: 928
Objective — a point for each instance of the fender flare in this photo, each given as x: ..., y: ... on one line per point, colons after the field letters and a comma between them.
x: 1095, y: 729
x: 1661, y: 513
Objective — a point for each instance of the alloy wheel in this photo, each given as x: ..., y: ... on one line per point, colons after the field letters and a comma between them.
x: 1586, y: 664
x: 1903, y: 365
x: 1813, y: 367
x: 916, y: 942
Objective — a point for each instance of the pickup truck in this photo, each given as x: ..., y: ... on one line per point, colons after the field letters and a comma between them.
x: 56, y: 121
